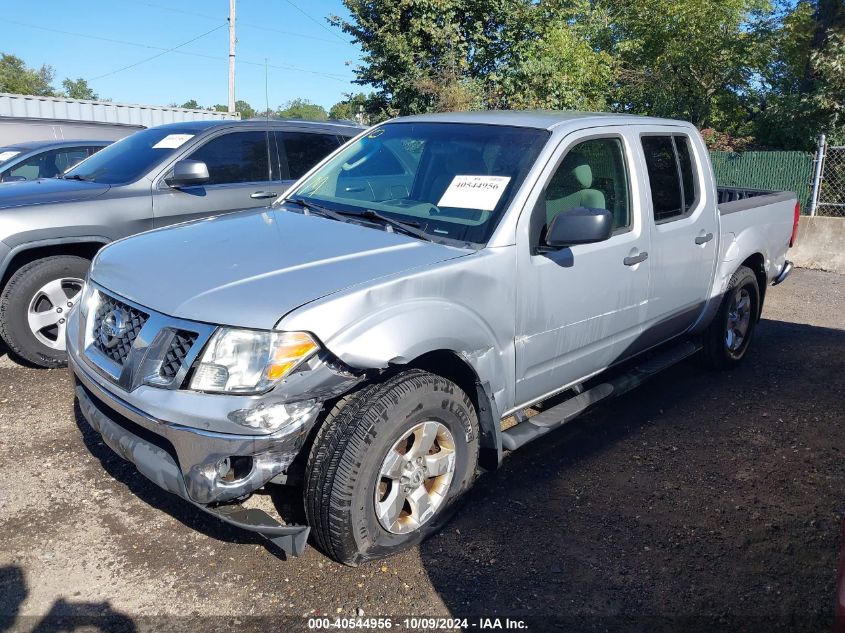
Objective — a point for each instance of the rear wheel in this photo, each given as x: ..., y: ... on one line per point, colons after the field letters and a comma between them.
x: 727, y: 338
x: 387, y: 464
x: 34, y: 306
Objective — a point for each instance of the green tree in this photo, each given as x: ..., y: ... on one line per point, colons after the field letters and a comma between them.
x: 803, y: 93
x: 696, y: 59
x: 191, y: 105
x: 561, y: 66
x: 78, y: 89
x: 17, y: 78
x: 302, y: 109
x: 423, y: 55
x: 371, y: 108
x: 246, y: 111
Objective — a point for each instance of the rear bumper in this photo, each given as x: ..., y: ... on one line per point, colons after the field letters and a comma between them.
x: 157, y: 451
x: 783, y: 274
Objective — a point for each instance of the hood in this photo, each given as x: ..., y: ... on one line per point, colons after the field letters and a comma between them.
x: 249, y: 269
x: 46, y: 190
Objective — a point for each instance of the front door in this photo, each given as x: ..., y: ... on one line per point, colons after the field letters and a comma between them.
x: 238, y: 164
x: 580, y: 308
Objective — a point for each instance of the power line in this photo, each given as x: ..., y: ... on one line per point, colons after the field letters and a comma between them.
x: 85, y: 35
x: 178, y: 52
x: 260, y: 27
x: 169, y: 50
x: 314, y: 20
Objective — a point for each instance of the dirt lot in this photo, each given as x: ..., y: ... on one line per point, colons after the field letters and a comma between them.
x: 703, y: 498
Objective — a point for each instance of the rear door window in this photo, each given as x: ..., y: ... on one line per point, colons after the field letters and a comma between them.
x: 235, y: 157
x: 671, y: 176
x: 303, y: 150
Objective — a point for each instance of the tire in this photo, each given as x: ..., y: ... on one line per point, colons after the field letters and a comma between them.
x: 38, y: 294
x: 727, y: 338
x: 345, y: 471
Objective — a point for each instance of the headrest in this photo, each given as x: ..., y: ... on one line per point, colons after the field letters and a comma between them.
x: 583, y: 175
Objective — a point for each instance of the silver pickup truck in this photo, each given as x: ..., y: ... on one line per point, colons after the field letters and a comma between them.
x: 440, y: 290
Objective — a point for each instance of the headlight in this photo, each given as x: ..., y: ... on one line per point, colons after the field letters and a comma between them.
x: 88, y: 299
x: 249, y: 361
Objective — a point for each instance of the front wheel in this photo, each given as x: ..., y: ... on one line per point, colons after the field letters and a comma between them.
x: 34, y: 306
x: 387, y: 464
x: 727, y: 338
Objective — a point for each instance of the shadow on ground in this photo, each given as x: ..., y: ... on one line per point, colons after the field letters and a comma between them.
x: 63, y: 615
x: 702, y: 501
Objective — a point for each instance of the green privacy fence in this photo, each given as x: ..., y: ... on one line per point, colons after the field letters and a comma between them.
x: 775, y: 171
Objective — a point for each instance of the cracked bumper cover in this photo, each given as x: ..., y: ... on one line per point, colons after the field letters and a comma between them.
x: 183, y: 460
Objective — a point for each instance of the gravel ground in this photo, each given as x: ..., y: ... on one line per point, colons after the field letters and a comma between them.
x: 702, y: 498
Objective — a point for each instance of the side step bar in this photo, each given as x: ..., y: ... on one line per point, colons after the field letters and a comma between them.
x: 551, y: 419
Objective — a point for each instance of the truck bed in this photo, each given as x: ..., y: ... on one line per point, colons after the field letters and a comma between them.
x: 755, y: 221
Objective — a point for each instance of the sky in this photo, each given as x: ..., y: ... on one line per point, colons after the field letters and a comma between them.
x: 103, y: 40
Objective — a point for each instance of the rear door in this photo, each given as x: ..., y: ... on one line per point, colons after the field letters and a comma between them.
x: 239, y: 166
x: 683, y: 229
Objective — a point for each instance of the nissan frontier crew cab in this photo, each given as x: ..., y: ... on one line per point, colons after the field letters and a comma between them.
x: 439, y: 290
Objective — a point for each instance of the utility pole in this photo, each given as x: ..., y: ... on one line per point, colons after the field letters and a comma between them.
x: 231, y: 55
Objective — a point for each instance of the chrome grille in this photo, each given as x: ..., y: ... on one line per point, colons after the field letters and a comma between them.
x: 176, y: 353
x: 116, y: 345
x: 132, y: 345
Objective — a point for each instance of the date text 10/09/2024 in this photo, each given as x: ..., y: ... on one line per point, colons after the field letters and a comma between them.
x: 416, y: 623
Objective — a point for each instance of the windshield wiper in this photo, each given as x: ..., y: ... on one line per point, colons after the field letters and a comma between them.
x: 77, y: 177
x: 408, y: 228
x: 310, y: 207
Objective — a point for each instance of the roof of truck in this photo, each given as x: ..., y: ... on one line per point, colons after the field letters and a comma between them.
x: 542, y: 119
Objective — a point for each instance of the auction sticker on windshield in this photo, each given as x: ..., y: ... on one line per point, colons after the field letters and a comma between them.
x: 474, y: 192
x: 172, y: 141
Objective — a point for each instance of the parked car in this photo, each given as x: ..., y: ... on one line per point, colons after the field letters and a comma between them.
x: 51, y: 229
x: 364, y: 339
x: 44, y: 159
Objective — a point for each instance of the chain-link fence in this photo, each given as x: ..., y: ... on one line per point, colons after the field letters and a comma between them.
x: 829, y: 181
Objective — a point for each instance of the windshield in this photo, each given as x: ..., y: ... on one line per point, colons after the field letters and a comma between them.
x: 132, y: 157
x: 452, y: 181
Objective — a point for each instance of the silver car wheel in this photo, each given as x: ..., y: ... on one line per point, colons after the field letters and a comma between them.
x: 739, y: 319
x: 47, y: 311
x: 415, y: 477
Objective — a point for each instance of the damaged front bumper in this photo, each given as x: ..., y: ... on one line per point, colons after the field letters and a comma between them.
x: 187, y: 461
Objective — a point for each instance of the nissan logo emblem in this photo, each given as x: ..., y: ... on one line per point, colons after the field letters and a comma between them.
x: 113, y: 327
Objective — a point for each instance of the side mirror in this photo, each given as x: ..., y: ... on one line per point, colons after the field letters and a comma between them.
x: 579, y: 226
x: 187, y: 173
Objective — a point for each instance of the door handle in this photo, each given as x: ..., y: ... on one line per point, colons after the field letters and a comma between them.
x: 259, y: 195
x: 703, y: 239
x: 636, y: 259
